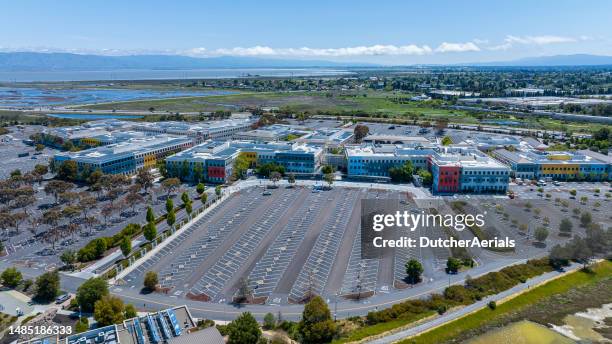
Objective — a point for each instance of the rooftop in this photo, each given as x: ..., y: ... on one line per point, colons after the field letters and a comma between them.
x: 222, y: 150
x: 550, y: 157
x: 131, y: 146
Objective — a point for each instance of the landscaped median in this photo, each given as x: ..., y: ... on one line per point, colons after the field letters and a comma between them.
x: 114, y: 270
x: 408, y: 313
x: 535, y: 297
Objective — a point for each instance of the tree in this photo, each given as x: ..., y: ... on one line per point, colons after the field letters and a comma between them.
x: 40, y: 171
x: 132, y: 199
x: 441, y: 125
x: 11, y: 277
x: 150, y: 231
x: 39, y: 147
x: 327, y: 169
x: 95, y: 177
x: 275, y: 177
x: 108, y: 310
x: 150, y: 215
x: 169, y: 205
x: 218, y: 190
x: 581, y: 251
x: 402, y: 174
x: 291, y: 179
x: 446, y: 141
x: 200, y: 188
x: 130, y: 311
x: 185, y: 198
x: 329, y: 179
x: 244, y: 330
x: 585, y: 218
x: 204, y: 198
x: 573, y: 192
x: 82, y: 325
x: 47, y: 286
x: 453, y: 265
x: 170, y: 185
x: 244, y: 291
x: 68, y: 170
x: 107, y: 211
x: 145, y: 178
x: 68, y: 257
x: 558, y: 257
x: 360, y: 132
x: 269, y: 322
x: 170, y: 218
x: 91, y: 291
x: 316, y: 325
x: 126, y: 246
x: 151, y: 280
x: 241, y: 164
x: 426, y: 177
x: 414, y: 269
x: 540, y: 234
x: 57, y: 187
x: 188, y: 208
x: 198, y: 172
x: 565, y: 227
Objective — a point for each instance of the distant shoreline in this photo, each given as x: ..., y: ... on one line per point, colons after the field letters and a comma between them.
x: 159, y: 74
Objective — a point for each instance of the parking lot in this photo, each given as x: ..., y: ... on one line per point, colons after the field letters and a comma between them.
x: 12, y: 145
x: 298, y: 241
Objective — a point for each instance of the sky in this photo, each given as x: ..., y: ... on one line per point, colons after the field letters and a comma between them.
x: 384, y: 32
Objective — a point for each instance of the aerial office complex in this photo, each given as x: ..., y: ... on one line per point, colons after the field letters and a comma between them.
x: 212, y: 161
x: 200, y: 131
x: 454, y: 169
x: 105, y: 132
x: 125, y: 157
x: 532, y: 164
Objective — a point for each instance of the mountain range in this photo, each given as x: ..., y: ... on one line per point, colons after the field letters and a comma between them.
x: 39, y: 62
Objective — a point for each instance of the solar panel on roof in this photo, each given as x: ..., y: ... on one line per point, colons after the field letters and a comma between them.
x: 155, y: 338
x: 139, y: 335
x: 163, y: 325
x: 175, y: 324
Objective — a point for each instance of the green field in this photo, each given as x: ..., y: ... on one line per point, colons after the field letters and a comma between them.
x: 366, y: 104
x: 374, y: 330
x: 565, y: 288
x: 312, y: 102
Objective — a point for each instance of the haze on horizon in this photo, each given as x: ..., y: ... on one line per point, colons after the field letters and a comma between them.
x: 387, y: 32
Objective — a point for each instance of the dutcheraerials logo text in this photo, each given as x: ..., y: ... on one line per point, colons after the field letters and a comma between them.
x: 413, y: 221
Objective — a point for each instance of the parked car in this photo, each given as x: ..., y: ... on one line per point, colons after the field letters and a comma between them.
x: 62, y: 298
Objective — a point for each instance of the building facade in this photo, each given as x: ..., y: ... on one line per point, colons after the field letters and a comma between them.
x: 126, y: 157
x: 453, y: 169
x: 532, y: 164
x: 213, y: 161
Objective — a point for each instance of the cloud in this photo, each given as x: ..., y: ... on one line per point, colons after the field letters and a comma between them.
x: 446, y: 47
x: 511, y: 41
x: 373, y: 50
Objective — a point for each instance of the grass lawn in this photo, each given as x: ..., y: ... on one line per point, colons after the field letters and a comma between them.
x: 565, y: 284
x: 373, y: 330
